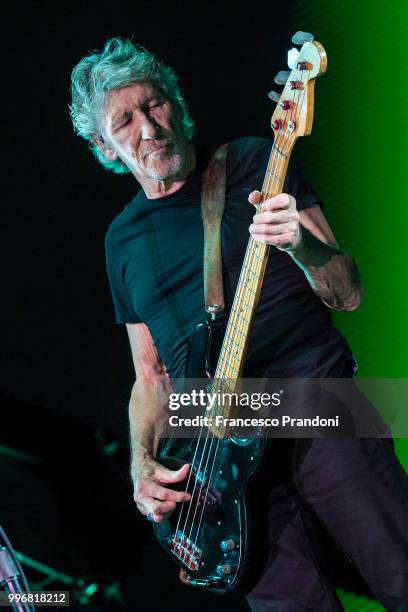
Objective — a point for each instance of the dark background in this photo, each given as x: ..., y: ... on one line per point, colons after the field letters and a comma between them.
x: 66, y: 367
x: 61, y: 346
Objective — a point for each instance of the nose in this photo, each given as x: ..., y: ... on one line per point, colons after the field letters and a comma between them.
x: 149, y: 129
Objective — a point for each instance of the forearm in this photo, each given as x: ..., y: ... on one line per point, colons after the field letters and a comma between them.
x: 147, y: 418
x: 332, y: 274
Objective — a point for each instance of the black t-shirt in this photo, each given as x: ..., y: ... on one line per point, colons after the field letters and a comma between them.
x: 154, y: 253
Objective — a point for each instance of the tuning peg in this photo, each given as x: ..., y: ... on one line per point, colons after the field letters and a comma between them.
x: 282, y: 77
x: 301, y: 37
x: 293, y: 55
x: 274, y: 96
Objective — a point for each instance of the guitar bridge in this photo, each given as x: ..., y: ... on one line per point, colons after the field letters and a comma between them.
x: 186, y: 551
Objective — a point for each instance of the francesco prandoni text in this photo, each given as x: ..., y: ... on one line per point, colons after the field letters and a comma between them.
x: 252, y: 400
x: 222, y: 421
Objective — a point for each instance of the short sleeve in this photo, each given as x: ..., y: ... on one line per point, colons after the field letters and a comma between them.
x: 300, y: 189
x: 115, y: 269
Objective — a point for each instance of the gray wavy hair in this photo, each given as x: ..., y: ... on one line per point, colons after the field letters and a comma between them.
x: 120, y: 63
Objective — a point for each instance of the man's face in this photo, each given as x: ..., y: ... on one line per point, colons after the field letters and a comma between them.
x: 142, y: 129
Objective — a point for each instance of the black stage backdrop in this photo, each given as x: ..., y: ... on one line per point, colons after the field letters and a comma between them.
x: 62, y: 348
x: 66, y: 367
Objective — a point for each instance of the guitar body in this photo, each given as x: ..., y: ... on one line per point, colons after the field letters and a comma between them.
x: 215, y: 538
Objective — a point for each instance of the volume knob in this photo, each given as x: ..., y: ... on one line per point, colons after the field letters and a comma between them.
x: 227, y: 545
x: 225, y: 570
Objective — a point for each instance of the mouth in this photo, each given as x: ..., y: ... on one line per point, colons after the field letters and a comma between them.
x: 162, y: 146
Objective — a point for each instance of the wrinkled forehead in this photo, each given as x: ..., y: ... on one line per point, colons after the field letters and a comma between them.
x: 130, y: 96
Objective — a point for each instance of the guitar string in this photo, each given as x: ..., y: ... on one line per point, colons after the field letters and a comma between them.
x: 188, y: 483
x: 245, y: 281
x: 203, y: 499
x: 190, y: 503
x: 252, y: 254
x: 268, y: 182
x: 209, y: 453
x: 292, y: 109
x: 253, y: 245
x: 267, y: 190
x: 201, y: 461
x: 249, y: 265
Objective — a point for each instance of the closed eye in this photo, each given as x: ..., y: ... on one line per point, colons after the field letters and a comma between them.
x: 124, y: 123
x: 120, y: 122
x: 156, y: 103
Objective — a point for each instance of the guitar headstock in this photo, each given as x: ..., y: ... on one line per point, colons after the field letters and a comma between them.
x: 293, y: 115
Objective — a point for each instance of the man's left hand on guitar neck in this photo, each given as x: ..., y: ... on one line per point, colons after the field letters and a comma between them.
x: 307, y: 237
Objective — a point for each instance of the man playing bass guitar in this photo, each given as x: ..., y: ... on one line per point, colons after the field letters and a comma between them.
x: 126, y: 103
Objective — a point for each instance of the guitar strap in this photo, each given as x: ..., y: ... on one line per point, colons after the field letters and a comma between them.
x: 212, y: 208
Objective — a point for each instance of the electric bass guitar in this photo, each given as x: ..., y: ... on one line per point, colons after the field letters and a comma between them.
x: 216, y: 537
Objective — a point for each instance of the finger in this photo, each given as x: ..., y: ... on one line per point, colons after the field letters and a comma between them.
x: 149, y: 488
x: 159, y: 509
x: 158, y: 518
x: 283, y: 201
x: 254, y: 197
x: 155, y: 506
x: 281, y: 240
x: 142, y: 508
x: 278, y: 216
x: 167, y: 476
x: 271, y: 229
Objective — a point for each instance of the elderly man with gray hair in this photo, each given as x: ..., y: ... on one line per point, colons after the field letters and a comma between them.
x: 127, y: 105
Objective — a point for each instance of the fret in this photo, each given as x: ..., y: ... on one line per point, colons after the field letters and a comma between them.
x: 233, y: 370
x: 229, y: 371
x: 227, y: 335
x: 235, y: 344
x: 235, y: 361
x: 246, y: 288
x: 244, y: 304
x: 230, y: 354
x: 237, y: 315
x: 249, y: 271
x: 222, y: 410
x: 224, y: 367
x: 237, y: 353
x: 272, y: 174
x: 279, y: 151
x: 223, y: 385
x: 241, y: 318
x: 253, y: 247
x: 255, y: 256
x: 235, y: 330
x: 234, y: 356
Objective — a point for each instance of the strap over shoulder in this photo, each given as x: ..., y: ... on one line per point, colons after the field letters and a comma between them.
x: 212, y: 209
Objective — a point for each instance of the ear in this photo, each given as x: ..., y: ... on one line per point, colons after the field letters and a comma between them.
x: 108, y: 152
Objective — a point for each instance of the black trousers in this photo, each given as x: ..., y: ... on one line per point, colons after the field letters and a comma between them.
x: 358, y: 491
x: 353, y: 489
